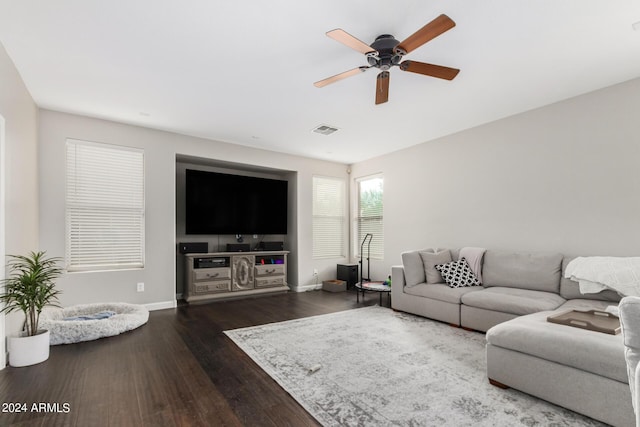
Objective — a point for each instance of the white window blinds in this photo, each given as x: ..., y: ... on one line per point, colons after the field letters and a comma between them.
x: 369, y: 216
x: 328, y: 217
x: 105, y: 207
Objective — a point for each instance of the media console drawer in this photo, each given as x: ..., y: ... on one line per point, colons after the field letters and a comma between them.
x: 211, y: 273
x: 209, y: 287
x: 269, y: 269
x: 270, y: 281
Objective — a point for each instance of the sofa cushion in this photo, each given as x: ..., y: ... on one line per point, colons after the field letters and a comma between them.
x: 430, y: 260
x: 413, y: 267
x: 513, y: 300
x: 590, y: 351
x: 570, y: 289
x: 455, y: 252
x: 458, y: 274
x: 629, y: 320
x: 440, y: 292
x: 535, y: 271
x: 584, y: 305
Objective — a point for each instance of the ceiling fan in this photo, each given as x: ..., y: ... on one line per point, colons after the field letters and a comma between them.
x: 386, y: 52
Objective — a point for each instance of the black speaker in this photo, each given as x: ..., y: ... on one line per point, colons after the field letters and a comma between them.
x: 193, y: 248
x: 348, y: 273
x: 238, y: 247
x: 272, y: 246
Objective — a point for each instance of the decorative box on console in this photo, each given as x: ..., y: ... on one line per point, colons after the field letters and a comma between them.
x: 334, y: 285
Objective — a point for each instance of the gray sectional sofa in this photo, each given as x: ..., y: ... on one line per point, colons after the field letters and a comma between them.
x: 582, y: 370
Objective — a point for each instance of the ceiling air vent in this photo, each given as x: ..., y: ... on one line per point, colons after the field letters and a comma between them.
x: 325, y: 130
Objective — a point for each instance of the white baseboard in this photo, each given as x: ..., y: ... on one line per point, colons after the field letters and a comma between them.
x: 161, y: 305
x: 305, y: 288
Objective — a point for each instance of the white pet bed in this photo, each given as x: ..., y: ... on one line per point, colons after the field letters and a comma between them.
x: 126, y: 318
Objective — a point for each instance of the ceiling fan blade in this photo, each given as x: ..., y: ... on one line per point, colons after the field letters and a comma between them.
x: 430, y: 31
x: 337, y: 77
x: 429, y: 69
x: 350, y: 41
x: 382, y: 87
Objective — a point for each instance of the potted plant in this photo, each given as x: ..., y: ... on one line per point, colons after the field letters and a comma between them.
x: 29, y: 287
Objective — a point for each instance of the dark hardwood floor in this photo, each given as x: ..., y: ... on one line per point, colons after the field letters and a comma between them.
x: 177, y: 370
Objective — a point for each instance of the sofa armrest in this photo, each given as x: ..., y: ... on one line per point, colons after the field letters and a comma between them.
x: 397, y: 281
x: 635, y: 399
x: 630, y: 321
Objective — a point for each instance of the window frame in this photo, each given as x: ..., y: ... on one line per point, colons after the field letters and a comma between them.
x: 340, y: 219
x: 112, y: 203
x: 377, y: 242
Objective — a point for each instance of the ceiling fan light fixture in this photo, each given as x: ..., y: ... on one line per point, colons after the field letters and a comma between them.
x: 387, y: 52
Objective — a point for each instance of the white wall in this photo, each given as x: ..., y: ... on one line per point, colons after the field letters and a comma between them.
x: 565, y: 177
x: 19, y: 170
x: 3, y: 342
x: 161, y: 149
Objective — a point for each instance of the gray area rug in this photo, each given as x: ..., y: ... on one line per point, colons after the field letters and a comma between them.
x: 376, y: 367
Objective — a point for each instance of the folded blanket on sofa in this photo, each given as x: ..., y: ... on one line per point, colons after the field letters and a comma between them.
x: 474, y: 259
x: 595, y: 274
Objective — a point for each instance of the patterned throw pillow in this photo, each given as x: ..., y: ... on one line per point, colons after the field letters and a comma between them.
x: 458, y: 274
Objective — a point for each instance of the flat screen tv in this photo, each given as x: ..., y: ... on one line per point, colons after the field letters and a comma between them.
x: 219, y: 203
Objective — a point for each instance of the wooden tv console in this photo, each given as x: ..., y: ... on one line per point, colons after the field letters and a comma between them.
x: 221, y: 275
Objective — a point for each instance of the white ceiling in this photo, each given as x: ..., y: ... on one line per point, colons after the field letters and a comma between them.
x: 243, y: 71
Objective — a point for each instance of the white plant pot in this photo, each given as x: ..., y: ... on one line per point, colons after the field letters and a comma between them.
x: 26, y: 350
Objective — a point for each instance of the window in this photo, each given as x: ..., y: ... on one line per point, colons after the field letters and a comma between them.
x: 368, y: 218
x: 328, y: 217
x: 105, y: 207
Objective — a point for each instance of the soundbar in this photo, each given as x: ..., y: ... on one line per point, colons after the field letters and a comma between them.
x: 272, y: 246
x: 238, y: 247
